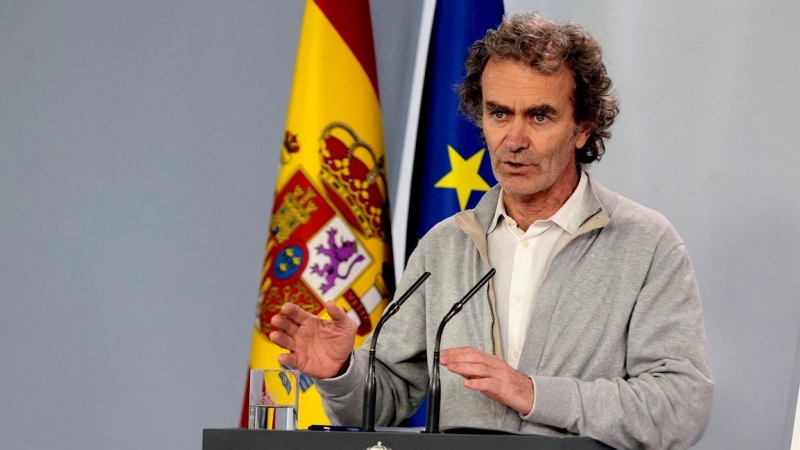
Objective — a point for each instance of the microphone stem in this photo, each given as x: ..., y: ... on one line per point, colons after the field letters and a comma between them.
x: 370, y: 393
x: 434, y: 386
x: 371, y: 385
x: 434, y: 397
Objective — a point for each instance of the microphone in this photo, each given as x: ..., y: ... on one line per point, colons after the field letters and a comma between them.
x: 434, y: 388
x: 370, y: 389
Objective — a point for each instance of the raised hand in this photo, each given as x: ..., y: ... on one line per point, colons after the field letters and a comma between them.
x: 319, y: 348
x: 491, y: 376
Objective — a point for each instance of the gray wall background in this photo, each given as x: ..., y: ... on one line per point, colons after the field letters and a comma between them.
x: 138, y: 151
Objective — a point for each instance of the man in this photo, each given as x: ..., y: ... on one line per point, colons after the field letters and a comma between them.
x: 592, y: 324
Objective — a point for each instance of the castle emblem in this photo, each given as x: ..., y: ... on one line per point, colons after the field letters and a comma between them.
x: 295, y: 210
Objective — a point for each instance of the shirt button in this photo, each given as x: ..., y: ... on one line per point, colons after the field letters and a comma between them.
x: 525, y: 243
x: 518, y: 297
x: 515, y: 354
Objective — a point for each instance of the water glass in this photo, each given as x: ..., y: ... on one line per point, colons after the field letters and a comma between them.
x: 273, y: 399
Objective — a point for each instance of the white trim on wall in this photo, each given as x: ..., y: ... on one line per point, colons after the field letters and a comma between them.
x: 403, y: 198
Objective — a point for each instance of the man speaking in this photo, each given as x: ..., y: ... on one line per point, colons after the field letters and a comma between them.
x: 592, y: 324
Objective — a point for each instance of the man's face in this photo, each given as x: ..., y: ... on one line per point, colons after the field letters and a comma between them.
x: 529, y: 126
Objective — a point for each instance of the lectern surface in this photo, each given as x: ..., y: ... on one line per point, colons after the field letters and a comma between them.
x: 240, y: 439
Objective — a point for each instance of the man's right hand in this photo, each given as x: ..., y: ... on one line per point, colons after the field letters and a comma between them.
x: 319, y: 348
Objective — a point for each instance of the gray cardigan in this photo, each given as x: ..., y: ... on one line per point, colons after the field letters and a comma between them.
x: 616, y: 345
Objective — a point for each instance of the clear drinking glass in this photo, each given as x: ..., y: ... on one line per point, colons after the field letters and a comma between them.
x: 273, y: 399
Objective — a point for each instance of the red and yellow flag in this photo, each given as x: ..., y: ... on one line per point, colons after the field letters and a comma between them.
x: 329, y: 234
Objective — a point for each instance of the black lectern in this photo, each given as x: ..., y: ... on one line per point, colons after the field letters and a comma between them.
x: 240, y: 439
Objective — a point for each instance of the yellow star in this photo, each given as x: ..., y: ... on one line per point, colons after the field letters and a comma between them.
x: 463, y: 176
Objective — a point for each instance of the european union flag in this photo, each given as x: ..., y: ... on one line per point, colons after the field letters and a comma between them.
x: 451, y: 166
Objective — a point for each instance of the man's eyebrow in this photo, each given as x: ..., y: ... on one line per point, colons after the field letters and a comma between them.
x: 544, y: 109
x: 493, y: 106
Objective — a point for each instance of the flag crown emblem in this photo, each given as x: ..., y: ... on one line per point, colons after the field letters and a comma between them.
x: 354, y: 179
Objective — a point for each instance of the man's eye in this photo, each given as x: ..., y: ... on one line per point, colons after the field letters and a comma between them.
x: 498, y: 114
x: 540, y: 118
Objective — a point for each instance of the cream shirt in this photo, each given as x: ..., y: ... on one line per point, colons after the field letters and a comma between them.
x: 522, y: 258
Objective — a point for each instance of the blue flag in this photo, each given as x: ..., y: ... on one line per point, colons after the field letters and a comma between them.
x: 451, y: 165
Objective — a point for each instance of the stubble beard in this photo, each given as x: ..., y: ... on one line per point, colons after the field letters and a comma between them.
x: 521, y: 186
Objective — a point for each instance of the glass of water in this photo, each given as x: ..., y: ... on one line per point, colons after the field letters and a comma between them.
x: 273, y: 399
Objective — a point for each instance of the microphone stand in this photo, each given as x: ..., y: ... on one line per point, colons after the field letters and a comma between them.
x: 370, y: 388
x: 435, y: 388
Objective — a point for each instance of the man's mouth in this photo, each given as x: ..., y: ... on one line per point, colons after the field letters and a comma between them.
x: 517, y: 165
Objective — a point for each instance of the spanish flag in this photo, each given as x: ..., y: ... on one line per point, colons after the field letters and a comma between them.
x: 329, y: 232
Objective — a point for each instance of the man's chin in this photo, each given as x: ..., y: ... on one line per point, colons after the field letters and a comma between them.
x: 521, y: 190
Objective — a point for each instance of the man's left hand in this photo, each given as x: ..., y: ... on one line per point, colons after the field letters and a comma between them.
x: 491, y: 376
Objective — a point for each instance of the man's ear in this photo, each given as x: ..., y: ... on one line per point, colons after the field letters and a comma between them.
x: 582, y: 134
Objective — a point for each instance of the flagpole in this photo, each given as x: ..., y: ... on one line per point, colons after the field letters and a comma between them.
x: 403, y: 195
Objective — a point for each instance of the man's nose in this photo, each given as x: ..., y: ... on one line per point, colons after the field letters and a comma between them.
x: 517, y: 138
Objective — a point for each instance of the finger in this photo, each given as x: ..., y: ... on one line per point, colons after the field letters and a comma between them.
x: 489, y: 386
x: 288, y: 359
x: 295, y: 313
x: 471, y: 370
x: 283, y: 323
x: 282, y: 340
x: 466, y: 355
x: 337, y: 314
x: 460, y: 352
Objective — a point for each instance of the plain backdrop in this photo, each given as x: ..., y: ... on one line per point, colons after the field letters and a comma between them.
x: 139, y: 143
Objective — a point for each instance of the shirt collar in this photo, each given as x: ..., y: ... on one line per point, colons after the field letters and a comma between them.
x: 570, y: 216
x: 499, y: 212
